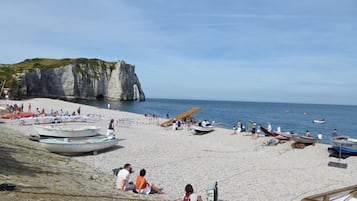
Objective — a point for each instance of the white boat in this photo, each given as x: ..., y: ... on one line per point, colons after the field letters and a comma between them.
x: 202, y: 129
x: 319, y: 121
x: 52, y: 119
x: 78, y: 145
x: 66, y: 130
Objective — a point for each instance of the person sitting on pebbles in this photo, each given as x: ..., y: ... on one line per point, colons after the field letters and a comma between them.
x: 143, y: 187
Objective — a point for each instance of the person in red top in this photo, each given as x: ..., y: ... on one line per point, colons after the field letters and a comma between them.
x: 143, y: 187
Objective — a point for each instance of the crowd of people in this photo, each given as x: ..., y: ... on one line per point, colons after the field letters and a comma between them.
x: 255, y: 130
x: 41, y: 112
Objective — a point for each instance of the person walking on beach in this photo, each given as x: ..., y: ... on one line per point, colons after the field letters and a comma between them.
x: 29, y: 107
x: 143, y: 187
x: 79, y: 110
x: 190, y: 195
x: 123, y: 178
x: 110, y: 131
x: 254, y: 131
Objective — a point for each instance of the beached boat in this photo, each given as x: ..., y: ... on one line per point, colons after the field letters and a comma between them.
x: 285, y: 136
x: 267, y: 133
x: 17, y: 115
x: 184, y: 115
x: 202, y: 129
x: 343, y: 194
x: 52, y: 119
x: 344, y: 145
x: 78, y: 145
x: 303, y: 139
x: 319, y: 121
x: 66, y: 130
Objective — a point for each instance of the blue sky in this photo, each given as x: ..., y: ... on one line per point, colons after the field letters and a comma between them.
x: 277, y: 51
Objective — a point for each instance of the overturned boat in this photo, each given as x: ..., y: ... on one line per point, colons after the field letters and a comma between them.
x: 78, y: 145
x: 66, y: 130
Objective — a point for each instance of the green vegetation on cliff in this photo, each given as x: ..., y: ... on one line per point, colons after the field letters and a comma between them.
x: 10, y: 72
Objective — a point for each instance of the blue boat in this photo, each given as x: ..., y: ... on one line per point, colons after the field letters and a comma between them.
x: 344, y: 145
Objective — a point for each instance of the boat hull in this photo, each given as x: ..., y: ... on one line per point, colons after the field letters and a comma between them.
x: 78, y: 145
x: 267, y: 133
x: 17, y: 115
x: 66, y: 130
x: 315, y: 121
x: 52, y: 119
x: 202, y: 130
x: 345, y: 145
x: 303, y: 139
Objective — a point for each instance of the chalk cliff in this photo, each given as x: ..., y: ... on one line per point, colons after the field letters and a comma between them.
x: 80, y: 79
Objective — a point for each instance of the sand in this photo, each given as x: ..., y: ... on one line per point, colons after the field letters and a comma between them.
x: 243, y: 168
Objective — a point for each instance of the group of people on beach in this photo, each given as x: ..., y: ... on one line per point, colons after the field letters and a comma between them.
x: 41, y: 112
x: 255, y: 130
x: 142, y: 186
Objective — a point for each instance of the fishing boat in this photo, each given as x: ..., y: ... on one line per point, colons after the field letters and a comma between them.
x: 344, y: 145
x: 343, y: 194
x: 319, y: 121
x: 78, y: 145
x: 303, y: 139
x: 202, y: 129
x: 67, y: 130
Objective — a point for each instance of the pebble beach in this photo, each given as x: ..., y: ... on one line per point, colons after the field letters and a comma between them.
x: 244, y: 168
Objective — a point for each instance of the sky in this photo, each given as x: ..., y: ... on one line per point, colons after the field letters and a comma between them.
x: 265, y: 51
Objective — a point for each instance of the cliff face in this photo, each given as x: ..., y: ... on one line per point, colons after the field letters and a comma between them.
x: 107, y: 80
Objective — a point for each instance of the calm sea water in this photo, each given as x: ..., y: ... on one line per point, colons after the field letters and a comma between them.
x: 289, y: 116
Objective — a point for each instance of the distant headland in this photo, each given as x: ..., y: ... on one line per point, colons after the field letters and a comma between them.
x: 80, y: 78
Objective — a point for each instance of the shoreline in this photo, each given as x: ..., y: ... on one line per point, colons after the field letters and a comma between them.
x: 243, y: 168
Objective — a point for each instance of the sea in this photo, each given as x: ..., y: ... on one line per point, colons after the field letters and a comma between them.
x: 291, y: 117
